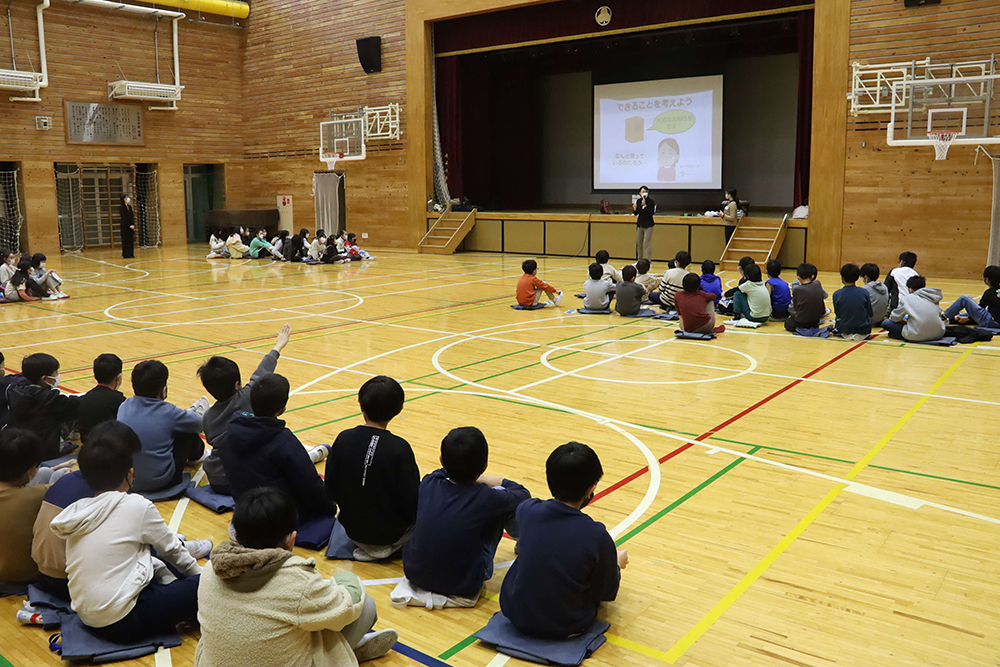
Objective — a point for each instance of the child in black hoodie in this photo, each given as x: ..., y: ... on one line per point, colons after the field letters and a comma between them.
x: 39, y: 407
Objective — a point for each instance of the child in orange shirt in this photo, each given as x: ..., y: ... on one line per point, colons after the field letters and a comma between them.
x: 530, y: 286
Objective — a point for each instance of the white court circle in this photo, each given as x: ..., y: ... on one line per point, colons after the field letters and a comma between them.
x: 544, y: 359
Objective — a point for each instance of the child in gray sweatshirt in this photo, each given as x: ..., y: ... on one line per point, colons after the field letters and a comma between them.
x: 918, y: 317
x: 878, y: 293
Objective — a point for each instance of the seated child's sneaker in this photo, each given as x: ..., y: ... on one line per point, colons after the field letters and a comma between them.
x: 319, y: 453
x: 375, y: 645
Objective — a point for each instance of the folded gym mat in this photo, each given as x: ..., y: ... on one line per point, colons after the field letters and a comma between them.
x: 502, y: 634
x: 644, y: 312
x: 341, y: 547
x: 814, y: 332
x: 672, y: 316
x: 588, y: 311
x: 315, y: 533
x: 168, y: 493
x: 204, y: 496
x: 534, y: 306
x: 49, y: 606
x: 694, y: 336
x: 947, y: 341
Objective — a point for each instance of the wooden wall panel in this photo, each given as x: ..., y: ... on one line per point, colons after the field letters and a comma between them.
x: 173, y: 219
x: 41, y: 224
x: 901, y: 198
x: 86, y: 45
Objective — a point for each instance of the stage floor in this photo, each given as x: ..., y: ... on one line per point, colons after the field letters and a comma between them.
x: 784, y: 500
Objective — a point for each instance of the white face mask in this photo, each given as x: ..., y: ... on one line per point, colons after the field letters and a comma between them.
x: 55, y: 379
x: 41, y: 265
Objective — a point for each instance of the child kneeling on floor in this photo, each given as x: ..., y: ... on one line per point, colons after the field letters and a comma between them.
x: 567, y: 563
x: 530, y: 287
x: 696, y: 307
x: 461, y: 517
x: 260, y: 605
x: 119, y: 590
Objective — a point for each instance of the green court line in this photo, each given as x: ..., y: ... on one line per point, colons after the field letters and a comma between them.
x: 468, y: 641
x: 4, y: 662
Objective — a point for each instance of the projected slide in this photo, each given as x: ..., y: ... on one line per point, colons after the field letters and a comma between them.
x: 664, y: 134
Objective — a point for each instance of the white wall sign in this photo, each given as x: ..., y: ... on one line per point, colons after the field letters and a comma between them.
x: 286, y: 218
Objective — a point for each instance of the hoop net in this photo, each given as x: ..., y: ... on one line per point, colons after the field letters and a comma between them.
x: 942, y: 142
x: 10, y: 211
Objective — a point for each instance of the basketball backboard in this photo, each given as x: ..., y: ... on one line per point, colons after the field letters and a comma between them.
x: 342, y: 139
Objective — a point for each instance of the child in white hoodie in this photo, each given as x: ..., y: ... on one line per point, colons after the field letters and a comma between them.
x: 918, y: 317
x: 119, y: 590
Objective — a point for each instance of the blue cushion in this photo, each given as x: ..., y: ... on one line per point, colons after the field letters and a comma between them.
x: 49, y: 606
x: 534, y: 306
x: 694, y: 336
x: 814, y: 332
x: 341, y: 547
x: 502, y: 634
x: 52, y: 463
x: 588, y: 311
x: 644, y: 312
x: 80, y: 644
x: 169, y: 493
x: 204, y: 496
x: 315, y: 532
x: 8, y: 589
x: 670, y: 317
x: 944, y: 342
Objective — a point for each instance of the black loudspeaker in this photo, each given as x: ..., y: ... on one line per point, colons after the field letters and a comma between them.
x: 370, y: 54
x: 920, y: 3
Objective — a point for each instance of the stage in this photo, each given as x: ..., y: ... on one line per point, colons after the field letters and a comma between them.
x: 582, y: 231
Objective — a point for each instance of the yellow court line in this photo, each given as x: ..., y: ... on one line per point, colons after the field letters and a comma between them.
x: 685, y: 642
x: 638, y: 648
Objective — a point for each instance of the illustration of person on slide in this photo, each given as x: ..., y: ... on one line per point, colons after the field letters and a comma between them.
x: 669, y: 154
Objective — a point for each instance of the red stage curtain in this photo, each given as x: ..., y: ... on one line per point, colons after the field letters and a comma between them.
x: 803, y: 132
x: 450, y: 121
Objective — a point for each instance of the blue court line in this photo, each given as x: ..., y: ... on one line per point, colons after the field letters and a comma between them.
x: 422, y: 658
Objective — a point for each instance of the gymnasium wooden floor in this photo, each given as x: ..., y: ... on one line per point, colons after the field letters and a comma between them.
x: 784, y: 501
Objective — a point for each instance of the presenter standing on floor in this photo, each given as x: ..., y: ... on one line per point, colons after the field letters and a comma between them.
x: 644, y: 208
x: 729, y: 214
x: 127, y: 215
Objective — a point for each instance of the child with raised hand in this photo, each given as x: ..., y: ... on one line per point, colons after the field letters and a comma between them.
x: 650, y: 282
x: 808, y: 305
x: 530, y: 287
x: 986, y: 313
x: 629, y: 295
x: 47, y: 279
x: 751, y: 300
x: 372, y: 476
x: 461, y: 517
x: 567, y: 563
x: 852, y: 305
x: 878, y: 293
x: 40, y: 407
x: 781, y: 293
x: 118, y: 588
x: 259, y: 604
x: 710, y: 282
x: 918, y: 317
x: 102, y: 402
x: 597, y: 290
x: 696, y: 307
x: 610, y: 273
x: 900, y: 276
x: 221, y: 378
x: 169, y: 435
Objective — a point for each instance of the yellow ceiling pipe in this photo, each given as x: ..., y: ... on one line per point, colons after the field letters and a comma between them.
x: 233, y: 8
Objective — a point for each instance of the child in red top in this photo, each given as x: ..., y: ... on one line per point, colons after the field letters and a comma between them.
x: 530, y: 287
x: 696, y: 308
x: 353, y: 250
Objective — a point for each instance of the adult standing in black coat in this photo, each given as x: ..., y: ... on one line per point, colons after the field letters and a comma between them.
x: 127, y: 215
x: 644, y: 208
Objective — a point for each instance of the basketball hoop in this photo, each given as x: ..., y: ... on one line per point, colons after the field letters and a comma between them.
x: 942, y: 142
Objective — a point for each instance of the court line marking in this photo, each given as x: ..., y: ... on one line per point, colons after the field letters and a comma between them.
x: 562, y: 374
x: 702, y: 626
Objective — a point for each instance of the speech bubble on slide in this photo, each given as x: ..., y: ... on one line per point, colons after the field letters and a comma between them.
x: 674, y: 121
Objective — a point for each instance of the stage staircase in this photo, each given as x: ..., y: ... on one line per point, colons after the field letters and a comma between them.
x: 754, y: 237
x: 447, y: 232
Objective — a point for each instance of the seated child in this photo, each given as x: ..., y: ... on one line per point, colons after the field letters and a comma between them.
x: 336, y: 253
x: 611, y: 274
x: 808, y: 307
x: 673, y: 281
x: 461, y: 517
x: 986, y: 313
x: 114, y: 580
x: 781, y: 293
x: 297, y: 249
x: 8, y: 267
x: 19, y: 504
x: 317, y: 249
x: 341, y: 242
x: 650, y: 282
x: 878, y: 293
x: 217, y: 245
x: 258, y: 450
x: 696, y: 307
x: 567, y: 563
x: 751, y: 300
x: 898, y: 277
x: 21, y: 287
x: 740, y: 269
x: 353, y: 251
x: 47, y: 279
x: 168, y: 434
x: 597, y: 290
x: 279, y: 241
x: 852, y: 305
x: 918, y: 317
x: 629, y: 295
x: 235, y: 245
x: 372, y: 476
x: 710, y: 282
x: 6, y: 381
x: 530, y: 287
x: 221, y: 378
x: 101, y: 403
x: 298, y: 617
x: 40, y: 407
x: 261, y: 249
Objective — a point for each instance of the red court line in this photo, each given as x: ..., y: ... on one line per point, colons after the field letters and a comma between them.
x: 708, y: 434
